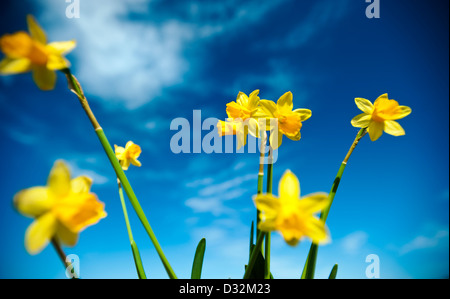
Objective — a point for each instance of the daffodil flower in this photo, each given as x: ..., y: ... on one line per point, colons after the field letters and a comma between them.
x: 381, y: 116
x: 128, y: 155
x: 291, y: 215
x: 62, y: 209
x: 242, y: 118
x: 31, y: 52
x: 289, y: 122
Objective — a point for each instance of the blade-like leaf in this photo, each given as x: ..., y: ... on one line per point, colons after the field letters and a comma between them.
x: 333, y: 272
x: 138, y: 261
x: 198, y: 260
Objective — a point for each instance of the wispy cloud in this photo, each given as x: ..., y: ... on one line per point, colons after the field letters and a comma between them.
x: 354, y: 242
x: 424, y: 242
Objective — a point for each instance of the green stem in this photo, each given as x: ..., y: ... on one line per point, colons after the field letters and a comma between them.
x: 76, y: 88
x: 134, y: 248
x: 310, y: 265
x: 259, y: 188
x: 254, y: 255
x: 268, y: 235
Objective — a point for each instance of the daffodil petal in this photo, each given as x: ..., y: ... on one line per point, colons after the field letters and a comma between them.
x: 289, y: 188
x: 393, y: 128
x: 361, y: 120
x: 135, y: 162
x: 375, y: 130
x: 253, y: 100
x: 81, y: 184
x: 80, y: 211
x: 304, y: 113
x: 253, y: 127
x: 296, y: 137
x: 44, y: 78
x: 275, y: 139
x: 9, y: 66
x: 268, y: 108
x: 284, y: 103
x: 36, y: 32
x: 57, y: 62
x: 317, y: 231
x: 314, y: 202
x: 66, y: 236
x: 365, y: 105
x: 59, y: 179
x: 268, y: 204
x: 39, y: 233
x: 242, y: 99
x: 33, y: 202
x: 62, y: 48
x: 401, y: 112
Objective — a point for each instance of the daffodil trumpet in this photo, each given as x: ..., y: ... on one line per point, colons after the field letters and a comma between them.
x: 75, y: 87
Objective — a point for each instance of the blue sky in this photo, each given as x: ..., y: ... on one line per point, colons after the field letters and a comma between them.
x: 144, y: 63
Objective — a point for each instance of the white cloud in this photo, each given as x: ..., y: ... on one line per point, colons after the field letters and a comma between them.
x: 423, y: 242
x: 354, y: 242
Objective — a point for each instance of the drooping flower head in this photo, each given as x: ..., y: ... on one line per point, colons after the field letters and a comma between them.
x: 380, y: 116
x: 30, y: 52
x: 128, y: 155
x: 289, y: 122
x: 242, y: 118
x: 291, y: 215
x: 62, y: 209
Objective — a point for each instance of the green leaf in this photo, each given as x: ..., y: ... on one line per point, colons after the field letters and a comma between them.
x: 198, y: 260
x: 257, y: 272
x: 251, y: 238
x: 310, y: 265
x: 333, y: 272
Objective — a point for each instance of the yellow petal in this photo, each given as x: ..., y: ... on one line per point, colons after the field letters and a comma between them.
x: 33, y: 202
x: 119, y: 152
x: 36, y: 32
x: 242, y: 99
x: 268, y: 108
x: 317, y: 231
x: 365, y: 105
x: 295, y: 137
x: 125, y: 164
x: 253, y: 100
x: 61, y: 48
x: 375, y: 130
x: 57, y: 62
x: 401, y: 112
x: 39, y: 233
x: 284, y: 103
x: 268, y: 204
x: 361, y: 120
x: 275, y: 138
x: 289, y: 188
x: 79, y: 211
x: 81, y: 184
x: 393, y: 128
x: 66, y: 236
x: 304, y: 114
x: 59, y: 179
x: 44, y: 78
x: 9, y: 66
x: 135, y: 162
x: 314, y: 202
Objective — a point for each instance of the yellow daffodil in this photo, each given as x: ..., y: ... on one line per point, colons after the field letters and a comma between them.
x: 289, y: 122
x: 128, y: 155
x: 242, y: 118
x: 381, y: 116
x: 30, y: 52
x: 62, y: 209
x: 291, y: 215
